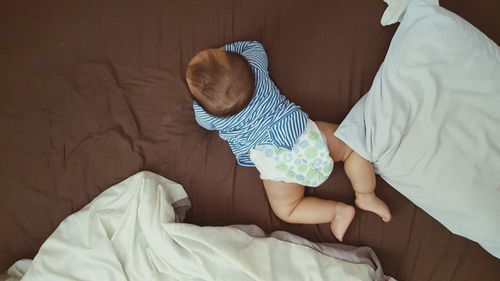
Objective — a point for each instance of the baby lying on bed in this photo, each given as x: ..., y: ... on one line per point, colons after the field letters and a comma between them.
x: 233, y: 94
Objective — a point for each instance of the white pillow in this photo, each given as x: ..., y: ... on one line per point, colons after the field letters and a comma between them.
x: 430, y: 121
x: 396, y: 9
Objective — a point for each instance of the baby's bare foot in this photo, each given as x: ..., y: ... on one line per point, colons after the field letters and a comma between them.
x: 370, y: 202
x: 343, y: 219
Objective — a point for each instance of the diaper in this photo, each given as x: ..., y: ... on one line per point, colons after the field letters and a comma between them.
x: 308, y: 163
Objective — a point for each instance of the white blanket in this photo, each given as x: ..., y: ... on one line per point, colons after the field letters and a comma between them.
x: 431, y: 121
x: 129, y: 232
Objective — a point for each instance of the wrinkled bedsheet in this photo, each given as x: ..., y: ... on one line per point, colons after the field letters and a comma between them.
x: 132, y: 232
x: 430, y: 122
x: 92, y: 91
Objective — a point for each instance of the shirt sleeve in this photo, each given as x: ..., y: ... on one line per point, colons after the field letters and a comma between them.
x: 252, y: 51
x: 202, y: 118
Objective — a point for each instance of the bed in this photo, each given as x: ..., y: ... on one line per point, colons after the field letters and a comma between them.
x: 91, y: 92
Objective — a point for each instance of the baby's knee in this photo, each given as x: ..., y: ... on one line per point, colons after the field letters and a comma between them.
x: 284, y: 198
x: 284, y: 211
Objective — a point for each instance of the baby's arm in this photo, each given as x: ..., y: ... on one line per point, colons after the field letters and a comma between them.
x: 202, y: 117
x: 252, y: 51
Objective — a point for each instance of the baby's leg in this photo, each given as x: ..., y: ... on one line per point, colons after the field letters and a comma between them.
x: 359, y: 170
x: 289, y: 204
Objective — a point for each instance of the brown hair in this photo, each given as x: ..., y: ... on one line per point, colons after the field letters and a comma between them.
x: 221, y: 90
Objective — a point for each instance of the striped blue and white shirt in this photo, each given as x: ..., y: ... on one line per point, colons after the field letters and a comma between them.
x: 269, y: 118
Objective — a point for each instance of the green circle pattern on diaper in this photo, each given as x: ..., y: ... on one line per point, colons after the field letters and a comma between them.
x: 311, y: 152
x: 309, y: 162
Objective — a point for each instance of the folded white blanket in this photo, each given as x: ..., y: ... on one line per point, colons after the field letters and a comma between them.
x: 129, y: 232
x: 430, y: 121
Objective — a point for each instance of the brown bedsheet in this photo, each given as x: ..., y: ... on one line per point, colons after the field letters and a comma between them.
x: 92, y: 91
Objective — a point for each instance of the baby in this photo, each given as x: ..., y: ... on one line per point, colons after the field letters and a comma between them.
x: 233, y: 94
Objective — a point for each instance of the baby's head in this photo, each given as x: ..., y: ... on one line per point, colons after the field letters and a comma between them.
x: 221, y: 82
